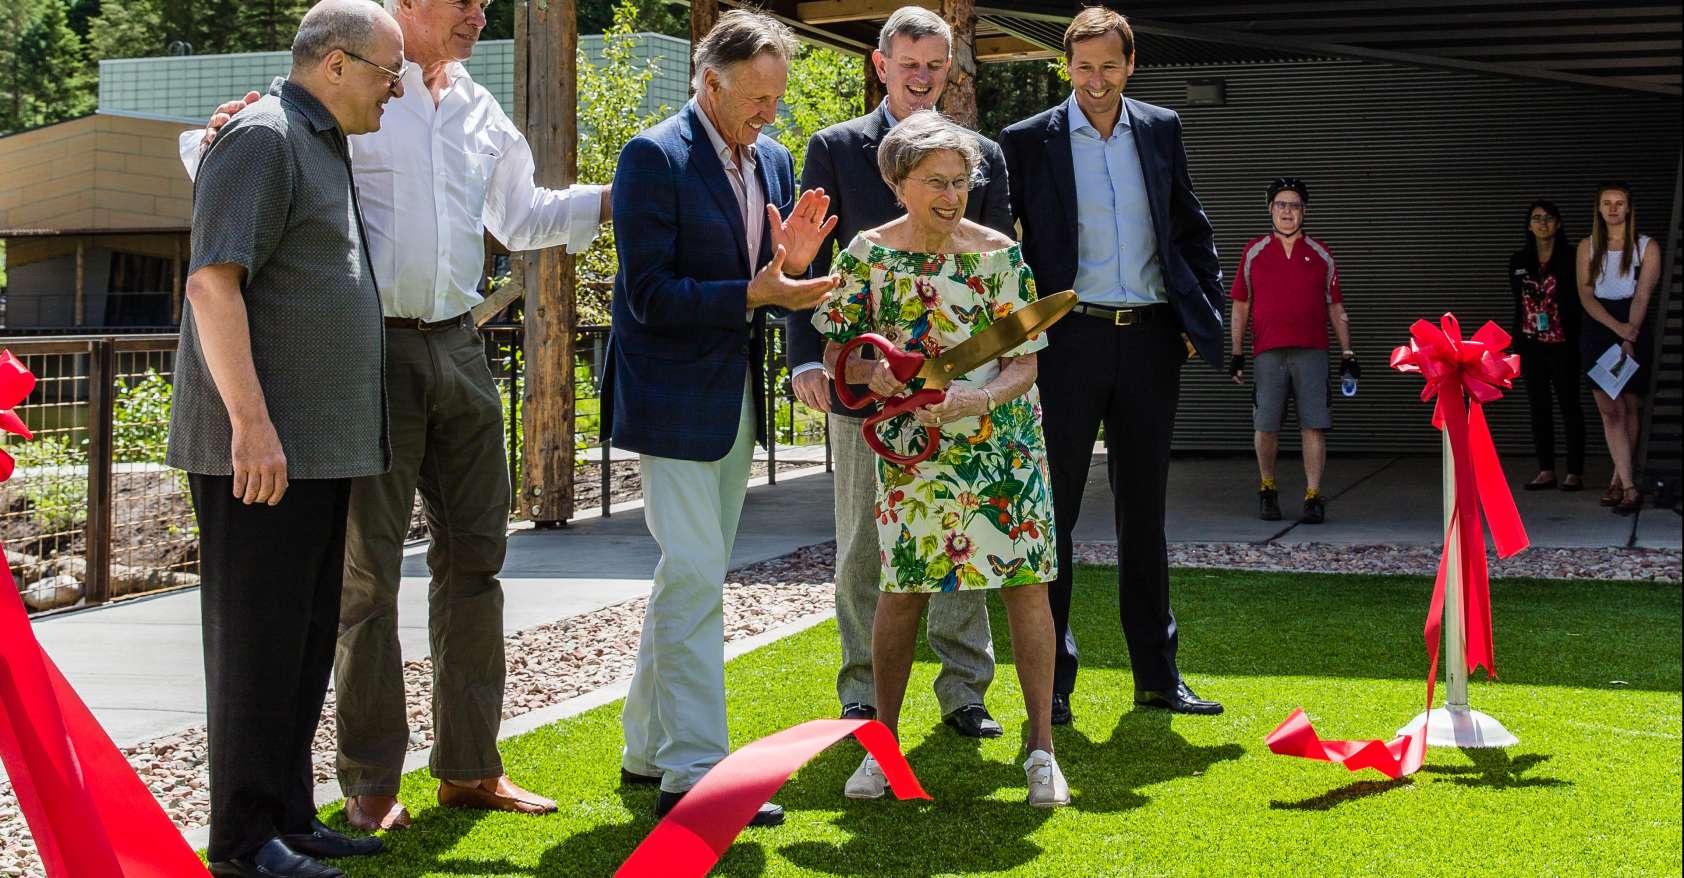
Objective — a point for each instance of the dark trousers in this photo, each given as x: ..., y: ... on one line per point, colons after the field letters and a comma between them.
x: 1127, y: 378
x: 269, y: 595
x: 1551, y: 375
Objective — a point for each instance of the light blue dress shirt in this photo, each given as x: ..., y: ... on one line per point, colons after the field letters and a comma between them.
x: 1116, y: 247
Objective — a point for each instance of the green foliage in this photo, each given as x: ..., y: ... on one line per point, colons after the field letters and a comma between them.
x: 141, y: 421
x: 44, y: 75
x: 125, y: 28
x: 825, y: 87
x: 596, y: 16
x: 611, y: 89
x: 1014, y: 91
x: 53, y: 477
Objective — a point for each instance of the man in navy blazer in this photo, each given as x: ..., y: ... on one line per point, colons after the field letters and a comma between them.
x: 914, y: 56
x: 1100, y: 186
x: 705, y: 250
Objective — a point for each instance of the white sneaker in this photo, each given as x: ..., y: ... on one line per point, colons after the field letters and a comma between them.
x: 868, y: 781
x: 1047, y: 788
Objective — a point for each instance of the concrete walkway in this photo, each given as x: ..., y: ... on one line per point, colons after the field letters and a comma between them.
x: 138, y: 664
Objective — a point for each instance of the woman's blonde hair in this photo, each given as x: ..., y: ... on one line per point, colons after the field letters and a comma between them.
x: 1599, y: 234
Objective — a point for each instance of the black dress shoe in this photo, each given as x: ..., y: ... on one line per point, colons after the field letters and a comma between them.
x: 1181, y: 699
x: 633, y: 779
x: 973, y: 721
x: 770, y: 814
x: 274, y: 860
x: 1061, y: 709
x: 323, y: 842
x: 856, y: 710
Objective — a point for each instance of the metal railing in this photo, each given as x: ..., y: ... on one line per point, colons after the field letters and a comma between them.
x: 92, y: 513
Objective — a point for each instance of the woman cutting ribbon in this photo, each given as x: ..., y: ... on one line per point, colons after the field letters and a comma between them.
x: 977, y: 514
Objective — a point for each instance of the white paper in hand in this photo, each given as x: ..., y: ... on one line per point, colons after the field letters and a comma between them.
x: 1612, y: 370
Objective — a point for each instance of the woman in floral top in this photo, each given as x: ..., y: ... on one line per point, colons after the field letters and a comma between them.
x: 1546, y: 335
x: 979, y: 513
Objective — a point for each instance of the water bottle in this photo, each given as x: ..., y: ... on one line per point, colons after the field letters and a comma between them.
x: 1348, y: 385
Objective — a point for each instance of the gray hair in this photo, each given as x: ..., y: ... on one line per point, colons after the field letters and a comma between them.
x: 914, y: 23
x: 335, y: 24
x: 741, y: 35
x: 921, y: 135
x: 393, y: 5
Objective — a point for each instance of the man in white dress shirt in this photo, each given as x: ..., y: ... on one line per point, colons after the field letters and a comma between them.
x: 446, y: 166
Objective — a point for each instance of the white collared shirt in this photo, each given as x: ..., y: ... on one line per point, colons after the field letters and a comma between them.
x: 433, y: 180
x: 745, y: 182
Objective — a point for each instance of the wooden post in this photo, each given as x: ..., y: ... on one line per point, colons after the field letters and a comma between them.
x: 704, y: 14
x: 175, y: 283
x: 959, y: 101
x: 548, y: 98
x: 875, y: 90
x: 81, y: 307
x: 102, y: 388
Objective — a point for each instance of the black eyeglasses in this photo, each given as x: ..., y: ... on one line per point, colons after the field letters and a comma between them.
x: 395, y: 76
x: 1543, y: 218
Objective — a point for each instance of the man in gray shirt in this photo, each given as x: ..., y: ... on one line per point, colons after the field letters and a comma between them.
x: 279, y: 404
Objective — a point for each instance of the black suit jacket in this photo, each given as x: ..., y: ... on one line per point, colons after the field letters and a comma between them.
x: 1043, y: 195
x: 842, y: 160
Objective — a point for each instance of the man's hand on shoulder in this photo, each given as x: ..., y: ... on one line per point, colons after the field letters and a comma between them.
x: 226, y: 112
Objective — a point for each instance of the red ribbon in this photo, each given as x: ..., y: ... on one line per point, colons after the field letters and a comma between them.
x: 699, y: 829
x: 88, y: 811
x: 1463, y: 375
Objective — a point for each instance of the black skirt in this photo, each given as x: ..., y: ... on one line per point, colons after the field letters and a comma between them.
x: 1594, y: 338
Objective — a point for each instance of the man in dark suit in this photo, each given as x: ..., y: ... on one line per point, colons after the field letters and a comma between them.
x: 914, y: 54
x: 706, y: 250
x: 1101, y: 187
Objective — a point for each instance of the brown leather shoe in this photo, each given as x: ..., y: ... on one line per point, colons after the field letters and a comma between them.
x: 376, y: 813
x: 499, y: 794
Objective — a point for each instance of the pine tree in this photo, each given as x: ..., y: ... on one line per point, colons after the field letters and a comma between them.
x: 127, y: 29
x: 43, y: 67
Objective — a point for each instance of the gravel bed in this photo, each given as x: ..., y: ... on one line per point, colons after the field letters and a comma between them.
x: 555, y: 662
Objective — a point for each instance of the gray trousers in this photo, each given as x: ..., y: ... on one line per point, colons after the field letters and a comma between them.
x: 674, y: 714
x: 447, y: 441
x: 958, y: 621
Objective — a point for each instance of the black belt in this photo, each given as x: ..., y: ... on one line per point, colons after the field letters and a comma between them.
x: 1131, y: 316
x: 417, y: 323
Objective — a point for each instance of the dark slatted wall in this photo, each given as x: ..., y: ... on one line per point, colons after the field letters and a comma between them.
x: 1420, y: 181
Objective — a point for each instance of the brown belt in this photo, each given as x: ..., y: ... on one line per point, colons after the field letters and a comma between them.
x: 417, y: 323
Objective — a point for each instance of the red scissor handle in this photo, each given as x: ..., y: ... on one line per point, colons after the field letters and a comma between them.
x: 904, y: 366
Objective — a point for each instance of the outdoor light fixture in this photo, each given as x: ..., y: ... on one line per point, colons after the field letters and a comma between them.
x: 1207, y: 92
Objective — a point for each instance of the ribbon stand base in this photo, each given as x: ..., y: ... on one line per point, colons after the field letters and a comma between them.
x: 1456, y: 724
x: 1463, y: 727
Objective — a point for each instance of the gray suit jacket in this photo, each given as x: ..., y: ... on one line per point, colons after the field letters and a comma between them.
x: 842, y: 160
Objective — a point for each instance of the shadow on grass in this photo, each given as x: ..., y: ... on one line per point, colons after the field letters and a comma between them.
x: 1494, y: 769
x: 1350, y: 792
x: 611, y: 844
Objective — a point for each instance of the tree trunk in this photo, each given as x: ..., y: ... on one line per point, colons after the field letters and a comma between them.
x: 959, y: 101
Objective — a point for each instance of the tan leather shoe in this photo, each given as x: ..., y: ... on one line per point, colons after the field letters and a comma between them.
x: 494, y: 794
x: 376, y: 813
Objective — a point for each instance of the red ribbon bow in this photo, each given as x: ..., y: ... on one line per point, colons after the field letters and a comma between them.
x: 88, y: 811
x: 1463, y: 375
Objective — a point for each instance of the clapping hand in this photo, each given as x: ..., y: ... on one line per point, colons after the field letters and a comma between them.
x: 225, y: 112
x: 804, y: 232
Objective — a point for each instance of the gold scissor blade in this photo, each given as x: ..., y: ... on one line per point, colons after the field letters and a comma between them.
x: 998, y: 339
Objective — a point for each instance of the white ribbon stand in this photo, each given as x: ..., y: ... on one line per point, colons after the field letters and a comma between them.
x: 1456, y: 724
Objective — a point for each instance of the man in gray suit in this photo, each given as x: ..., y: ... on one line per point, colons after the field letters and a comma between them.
x: 914, y: 55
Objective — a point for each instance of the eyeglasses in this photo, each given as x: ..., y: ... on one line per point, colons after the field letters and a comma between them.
x: 1287, y: 206
x: 394, y: 76
x: 942, y: 184
x: 1541, y: 218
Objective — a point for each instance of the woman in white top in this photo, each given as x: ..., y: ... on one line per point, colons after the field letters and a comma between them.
x: 1617, y: 270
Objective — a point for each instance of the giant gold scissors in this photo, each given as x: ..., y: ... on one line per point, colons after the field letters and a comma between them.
x: 993, y: 342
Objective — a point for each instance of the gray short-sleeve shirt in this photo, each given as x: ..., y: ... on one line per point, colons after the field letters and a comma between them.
x: 275, y: 195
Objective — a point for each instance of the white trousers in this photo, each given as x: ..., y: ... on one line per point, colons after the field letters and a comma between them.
x: 674, y: 718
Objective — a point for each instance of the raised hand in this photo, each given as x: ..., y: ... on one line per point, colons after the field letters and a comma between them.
x: 225, y: 112
x: 804, y: 232
x: 771, y: 286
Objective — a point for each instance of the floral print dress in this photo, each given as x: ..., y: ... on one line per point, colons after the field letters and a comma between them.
x: 979, y: 513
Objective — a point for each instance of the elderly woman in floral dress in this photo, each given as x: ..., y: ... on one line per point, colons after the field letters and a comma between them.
x: 979, y: 513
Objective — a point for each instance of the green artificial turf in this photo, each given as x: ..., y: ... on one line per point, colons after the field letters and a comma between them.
x: 1592, y: 789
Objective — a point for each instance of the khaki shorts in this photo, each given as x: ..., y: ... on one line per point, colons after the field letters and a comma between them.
x: 1300, y: 372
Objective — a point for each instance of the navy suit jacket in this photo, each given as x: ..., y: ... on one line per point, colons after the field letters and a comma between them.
x: 682, y: 341
x: 1044, y: 195
x: 842, y: 160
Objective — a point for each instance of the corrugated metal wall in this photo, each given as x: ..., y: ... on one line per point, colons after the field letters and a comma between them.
x: 1420, y: 181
